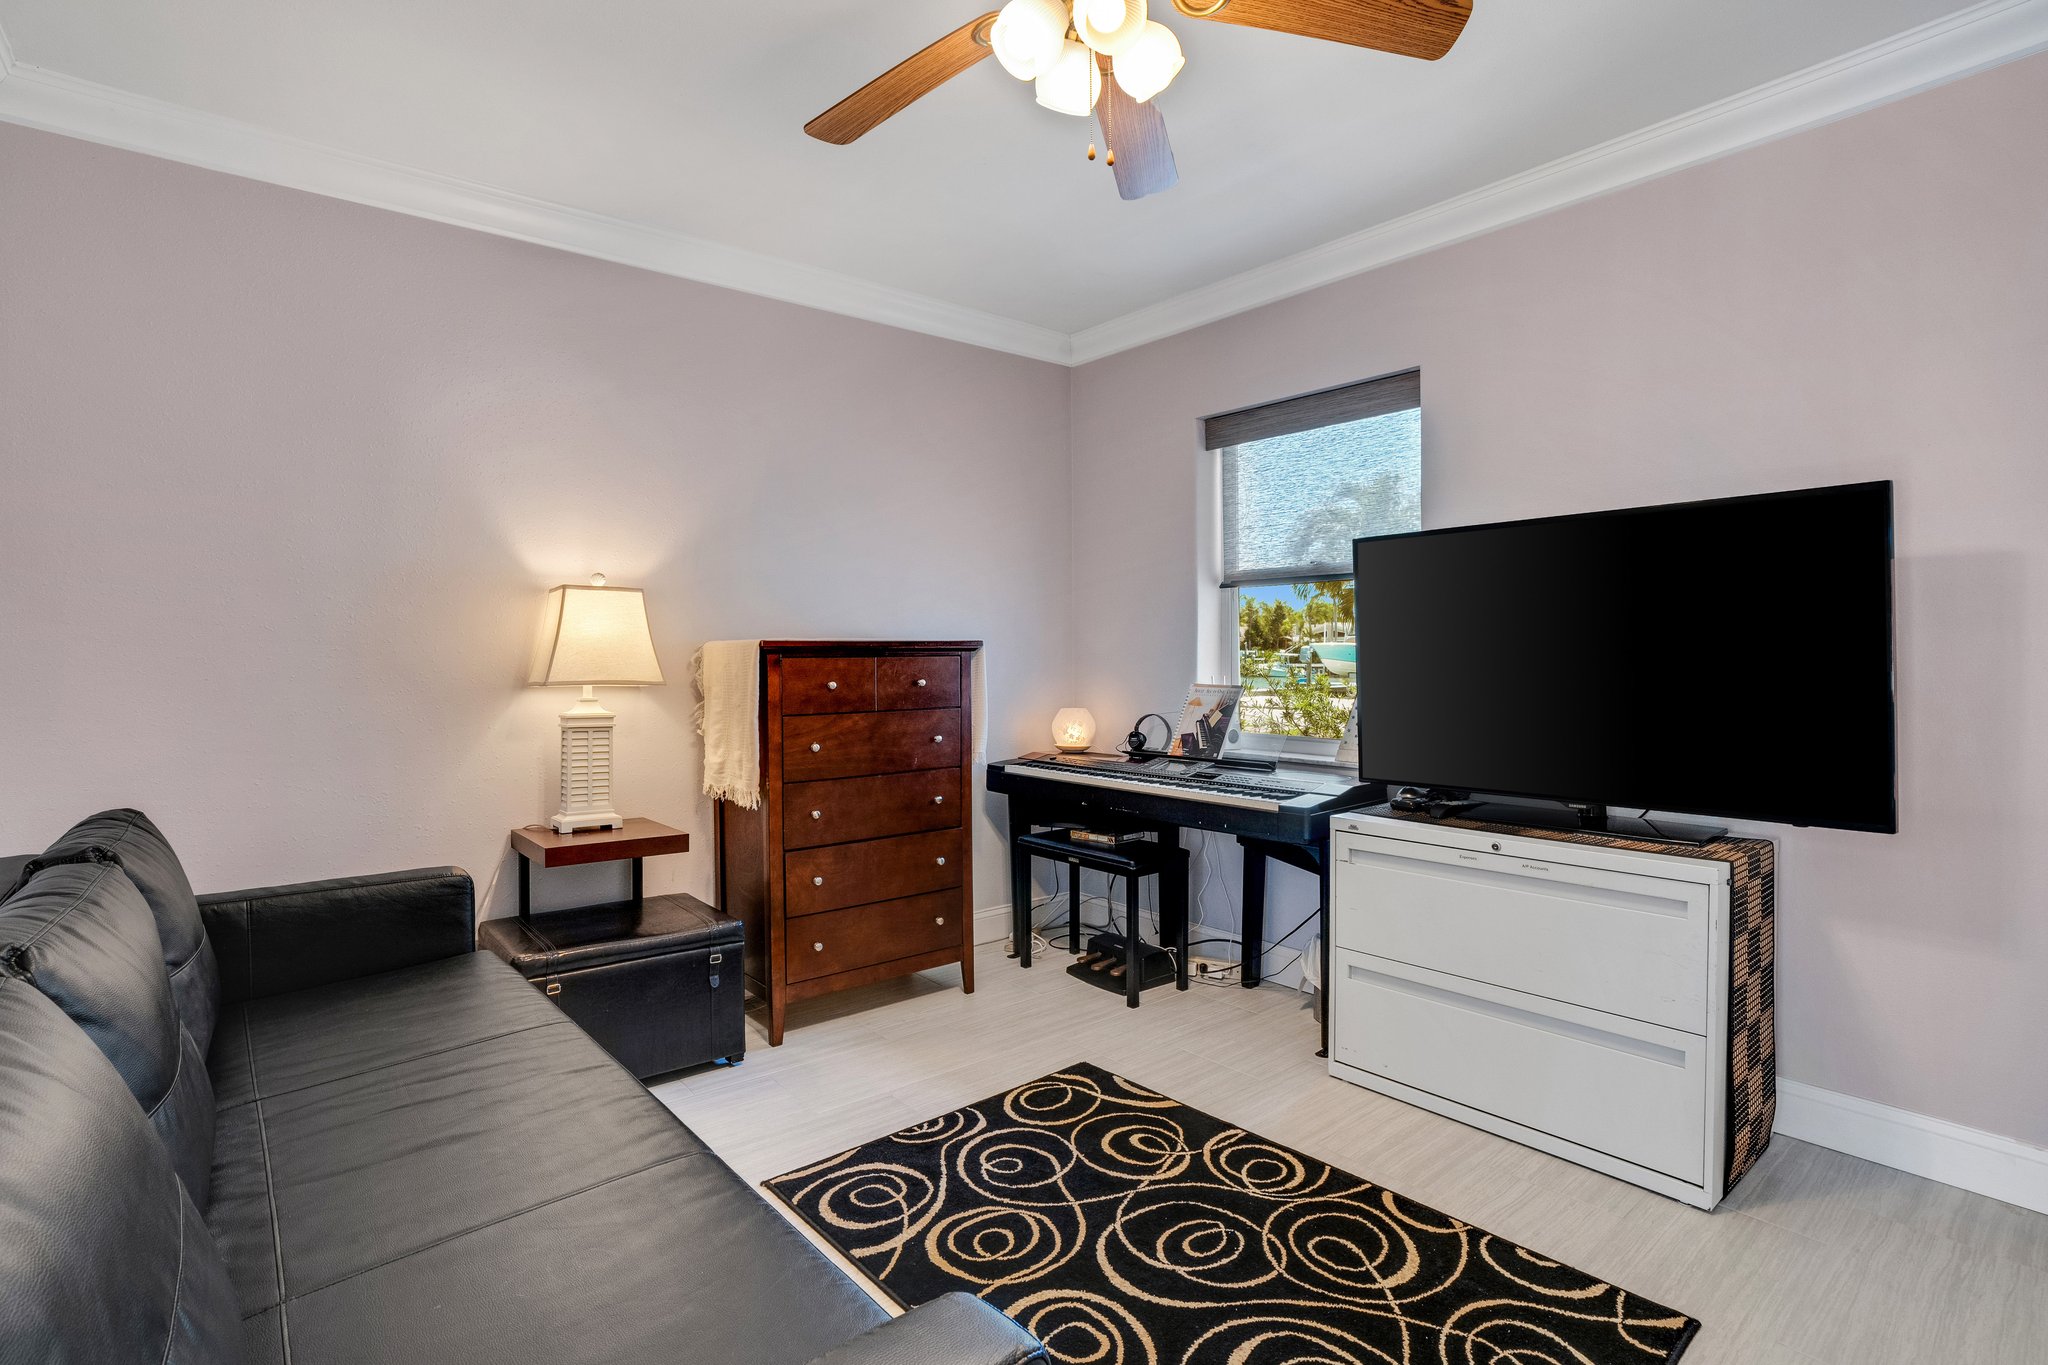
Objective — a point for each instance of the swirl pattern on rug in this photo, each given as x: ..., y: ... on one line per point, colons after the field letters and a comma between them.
x: 1124, y: 1228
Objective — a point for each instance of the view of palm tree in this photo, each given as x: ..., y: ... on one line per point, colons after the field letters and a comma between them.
x: 1296, y: 658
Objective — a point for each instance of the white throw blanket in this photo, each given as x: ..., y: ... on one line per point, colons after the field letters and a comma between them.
x: 728, y: 678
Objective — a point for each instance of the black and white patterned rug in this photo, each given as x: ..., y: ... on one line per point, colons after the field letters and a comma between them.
x: 1123, y: 1228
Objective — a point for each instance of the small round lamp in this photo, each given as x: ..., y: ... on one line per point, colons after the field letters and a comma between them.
x: 1073, y: 730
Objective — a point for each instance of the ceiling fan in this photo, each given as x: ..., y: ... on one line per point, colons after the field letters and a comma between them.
x: 1109, y: 57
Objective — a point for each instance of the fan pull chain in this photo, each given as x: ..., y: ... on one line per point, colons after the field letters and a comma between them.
x: 1091, y: 151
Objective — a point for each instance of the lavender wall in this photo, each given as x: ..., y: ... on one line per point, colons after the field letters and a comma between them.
x: 1869, y: 300
x: 284, y: 479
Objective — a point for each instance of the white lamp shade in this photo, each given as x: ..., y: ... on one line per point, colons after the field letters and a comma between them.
x: 1150, y: 63
x: 594, y: 637
x: 1073, y: 730
x: 1109, y: 26
x: 1073, y: 83
x: 1027, y: 36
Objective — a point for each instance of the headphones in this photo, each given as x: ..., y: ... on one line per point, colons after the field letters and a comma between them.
x: 1134, y: 742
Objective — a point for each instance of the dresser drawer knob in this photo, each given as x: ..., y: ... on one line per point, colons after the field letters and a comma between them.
x: 939, y: 920
x: 832, y: 686
x: 817, y: 881
x: 942, y: 862
x: 816, y: 747
x: 938, y: 739
x: 938, y: 800
x: 817, y: 947
x: 817, y: 815
x: 920, y: 683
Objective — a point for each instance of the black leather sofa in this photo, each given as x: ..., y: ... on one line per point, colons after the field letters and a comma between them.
x: 311, y: 1124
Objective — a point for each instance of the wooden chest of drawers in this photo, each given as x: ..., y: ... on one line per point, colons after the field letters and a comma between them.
x: 858, y: 864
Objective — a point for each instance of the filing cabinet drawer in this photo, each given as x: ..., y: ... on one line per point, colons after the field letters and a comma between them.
x: 850, y: 808
x: 819, y: 747
x: 820, y: 879
x: 1617, y: 942
x: 815, y: 686
x: 918, y: 682
x: 868, y: 935
x: 1628, y: 1089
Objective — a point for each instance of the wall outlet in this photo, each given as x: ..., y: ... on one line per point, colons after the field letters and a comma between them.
x: 1211, y: 966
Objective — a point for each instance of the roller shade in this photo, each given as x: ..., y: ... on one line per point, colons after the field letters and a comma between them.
x: 1323, y: 470
x: 1368, y: 398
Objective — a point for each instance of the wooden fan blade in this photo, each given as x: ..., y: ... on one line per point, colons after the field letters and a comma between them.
x: 1136, y: 135
x: 1411, y: 28
x: 903, y: 84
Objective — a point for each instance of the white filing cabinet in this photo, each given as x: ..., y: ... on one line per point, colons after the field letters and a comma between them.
x: 1574, y: 996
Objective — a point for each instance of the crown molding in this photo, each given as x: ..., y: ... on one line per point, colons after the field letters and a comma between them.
x: 54, y: 102
x: 1958, y: 45
x: 1963, y: 43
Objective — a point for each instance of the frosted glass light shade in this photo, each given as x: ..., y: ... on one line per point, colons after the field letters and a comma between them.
x: 1028, y: 35
x: 594, y: 636
x: 1150, y: 63
x: 1109, y: 26
x: 1073, y: 83
x: 1073, y: 730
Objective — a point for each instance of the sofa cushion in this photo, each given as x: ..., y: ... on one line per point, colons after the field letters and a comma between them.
x: 288, y: 1042
x: 147, y: 857
x: 679, y: 1262
x: 103, y: 1256
x: 84, y: 936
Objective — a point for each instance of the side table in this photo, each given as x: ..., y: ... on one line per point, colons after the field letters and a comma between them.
x: 638, y: 839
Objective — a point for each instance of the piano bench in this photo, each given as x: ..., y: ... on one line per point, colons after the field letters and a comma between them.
x: 1133, y: 862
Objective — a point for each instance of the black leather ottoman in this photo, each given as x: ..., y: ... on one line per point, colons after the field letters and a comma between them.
x: 657, y: 983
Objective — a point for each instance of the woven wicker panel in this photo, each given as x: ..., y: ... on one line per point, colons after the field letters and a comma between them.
x: 1752, y: 947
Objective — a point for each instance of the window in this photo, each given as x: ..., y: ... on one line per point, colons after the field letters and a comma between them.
x: 1300, y: 480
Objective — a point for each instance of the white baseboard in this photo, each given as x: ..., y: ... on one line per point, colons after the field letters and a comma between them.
x: 992, y: 924
x: 1968, y: 1158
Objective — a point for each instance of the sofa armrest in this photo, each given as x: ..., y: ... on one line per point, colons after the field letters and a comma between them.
x: 954, y: 1329
x: 286, y: 938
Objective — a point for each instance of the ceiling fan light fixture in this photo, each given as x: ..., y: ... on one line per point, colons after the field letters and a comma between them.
x: 1149, y: 64
x: 1109, y: 26
x: 1029, y: 36
x: 1073, y: 83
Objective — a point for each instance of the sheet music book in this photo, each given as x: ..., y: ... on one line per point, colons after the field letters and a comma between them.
x: 1207, y: 722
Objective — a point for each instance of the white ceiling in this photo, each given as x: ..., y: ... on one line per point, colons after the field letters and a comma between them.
x: 688, y: 116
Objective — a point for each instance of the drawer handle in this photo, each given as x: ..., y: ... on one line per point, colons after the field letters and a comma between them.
x: 817, y: 881
x: 817, y: 815
x: 938, y: 800
x: 832, y: 686
x: 938, y: 739
x: 816, y: 747
x: 817, y: 947
x: 920, y: 683
x: 942, y: 862
x: 939, y: 920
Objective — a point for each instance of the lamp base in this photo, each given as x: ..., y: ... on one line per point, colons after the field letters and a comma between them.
x: 586, y: 822
x: 586, y: 802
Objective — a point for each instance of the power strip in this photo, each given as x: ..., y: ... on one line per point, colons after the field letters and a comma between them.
x: 1211, y: 966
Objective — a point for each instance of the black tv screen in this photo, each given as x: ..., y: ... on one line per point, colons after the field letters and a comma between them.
x: 1729, y: 658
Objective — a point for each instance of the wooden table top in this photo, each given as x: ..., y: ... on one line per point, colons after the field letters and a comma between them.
x: 640, y: 838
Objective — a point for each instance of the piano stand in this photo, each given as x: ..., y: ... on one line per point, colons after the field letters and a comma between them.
x: 1251, y: 937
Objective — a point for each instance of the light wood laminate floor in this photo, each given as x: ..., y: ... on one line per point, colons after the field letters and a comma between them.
x: 1816, y: 1259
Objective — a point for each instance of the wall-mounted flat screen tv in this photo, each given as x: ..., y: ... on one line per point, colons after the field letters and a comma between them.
x: 1730, y: 658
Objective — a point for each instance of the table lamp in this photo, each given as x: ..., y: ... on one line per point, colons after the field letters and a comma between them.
x: 1073, y: 730
x: 591, y: 637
